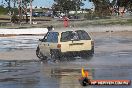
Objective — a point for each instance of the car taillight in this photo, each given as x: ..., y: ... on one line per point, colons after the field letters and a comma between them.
x: 92, y: 43
x: 59, y: 46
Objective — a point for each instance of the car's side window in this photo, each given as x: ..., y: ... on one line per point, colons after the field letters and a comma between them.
x: 66, y: 36
x: 52, y: 37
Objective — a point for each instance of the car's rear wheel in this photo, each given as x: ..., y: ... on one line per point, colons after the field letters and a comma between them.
x: 89, y: 53
x: 92, y: 50
x: 40, y: 55
x: 54, y: 56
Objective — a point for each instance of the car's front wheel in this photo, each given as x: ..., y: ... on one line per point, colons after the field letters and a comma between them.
x: 40, y: 55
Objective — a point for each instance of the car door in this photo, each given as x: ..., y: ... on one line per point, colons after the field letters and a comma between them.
x: 44, y: 45
x: 50, y: 42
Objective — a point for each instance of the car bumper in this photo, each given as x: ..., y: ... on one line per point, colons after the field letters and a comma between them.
x: 76, y: 53
x: 58, y: 53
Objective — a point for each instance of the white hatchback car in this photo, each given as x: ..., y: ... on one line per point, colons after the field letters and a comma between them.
x: 57, y: 44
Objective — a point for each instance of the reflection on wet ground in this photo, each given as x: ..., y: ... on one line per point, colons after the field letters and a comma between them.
x: 112, y: 60
x: 18, y: 42
x: 19, y: 74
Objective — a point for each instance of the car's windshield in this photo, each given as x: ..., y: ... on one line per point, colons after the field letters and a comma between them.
x: 74, y: 35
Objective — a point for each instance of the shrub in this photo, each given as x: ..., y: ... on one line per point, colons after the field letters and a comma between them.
x: 14, y: 18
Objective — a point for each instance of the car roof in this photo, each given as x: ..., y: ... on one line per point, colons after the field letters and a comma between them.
x: 60, y: 31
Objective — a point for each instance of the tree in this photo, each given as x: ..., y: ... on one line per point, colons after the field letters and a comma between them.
x: 129, y: 6
x: 3, y: 10
x: 8, y: 4
x: 14, y: 18
x: 102, y: 7
x: 67, y: 5
x: 126, y: 4
x: 22, y: 5
x: 14, y: 3
x: 25, y: 3
x: 105, y: 7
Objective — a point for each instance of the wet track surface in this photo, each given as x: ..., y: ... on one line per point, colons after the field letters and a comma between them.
x: 112, y: 60
x: 18, y: 42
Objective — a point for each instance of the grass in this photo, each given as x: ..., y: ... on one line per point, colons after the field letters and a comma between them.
x: 4, y: 16
x: 129, y: 20
x: 104, y: 22
x: 58, y: 24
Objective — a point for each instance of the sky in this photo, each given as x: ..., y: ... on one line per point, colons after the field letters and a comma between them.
x: 48, y: 3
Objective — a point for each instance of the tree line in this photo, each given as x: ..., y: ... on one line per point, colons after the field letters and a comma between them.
x: 101, y: 7
x: 68, y: 5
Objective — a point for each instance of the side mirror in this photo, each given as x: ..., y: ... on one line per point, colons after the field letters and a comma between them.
x: 41, y: 40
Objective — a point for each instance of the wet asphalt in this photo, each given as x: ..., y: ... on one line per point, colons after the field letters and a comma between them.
x: 112, y: 60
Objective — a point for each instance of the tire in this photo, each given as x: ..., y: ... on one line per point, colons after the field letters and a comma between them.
x: 92, y: 50
x: 89, y: 53
x: 40, y: 55
x: 54, y: 56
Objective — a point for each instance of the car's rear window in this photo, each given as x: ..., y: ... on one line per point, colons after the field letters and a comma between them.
x: 83, y: 35
x: 52, y: 37
x: 76, y: 35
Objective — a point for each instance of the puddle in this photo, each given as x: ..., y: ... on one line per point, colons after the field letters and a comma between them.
x: 9, y: 80
x: 125, y: 53
x: 9, y: 64
x: 8, y: 70
x: 16, y: 42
